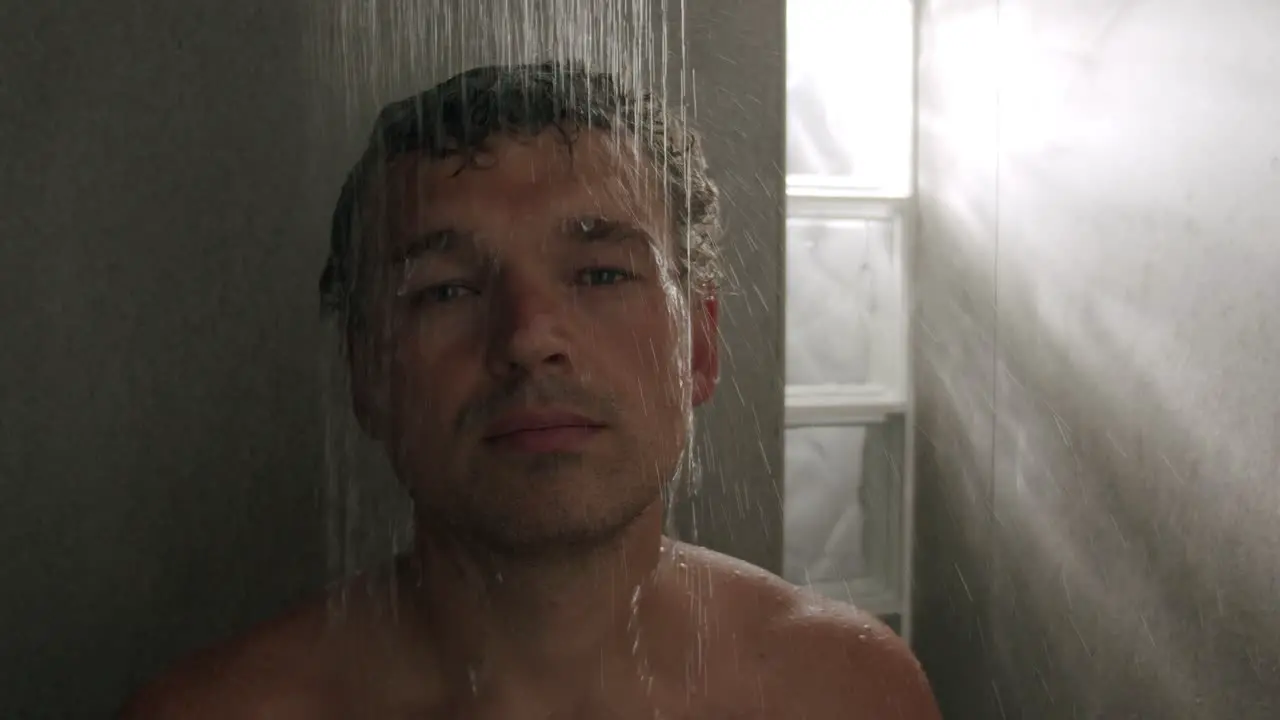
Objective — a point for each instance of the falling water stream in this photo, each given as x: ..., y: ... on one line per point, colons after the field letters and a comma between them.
x: 385, y: 50
x: 388, y: 49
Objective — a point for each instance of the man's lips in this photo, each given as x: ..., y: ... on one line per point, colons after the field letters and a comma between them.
x: 549, y: 425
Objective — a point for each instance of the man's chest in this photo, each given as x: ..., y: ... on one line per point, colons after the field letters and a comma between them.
x: 669, y: 702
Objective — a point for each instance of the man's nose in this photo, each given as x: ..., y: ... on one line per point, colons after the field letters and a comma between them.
x: 529, y: 325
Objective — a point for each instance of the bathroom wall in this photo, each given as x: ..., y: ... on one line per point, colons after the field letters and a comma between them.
x: 169, y: 170
x: 1095, y: 342
x: 162, y: 459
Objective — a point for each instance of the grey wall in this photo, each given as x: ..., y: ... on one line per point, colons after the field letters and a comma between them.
x: 166, y: 471
x: 736, y: 55
x: 161, y: 450
x: 1096, y: 346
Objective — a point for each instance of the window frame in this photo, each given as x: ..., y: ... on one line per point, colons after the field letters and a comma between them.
x: 883, y: 405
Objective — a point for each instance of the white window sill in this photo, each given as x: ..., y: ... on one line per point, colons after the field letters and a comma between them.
x: 840, y: 405
x: 819, y: 198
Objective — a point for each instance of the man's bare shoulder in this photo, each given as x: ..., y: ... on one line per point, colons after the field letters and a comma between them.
x: 817, y: 657
x: 836, y: 658
x: 351, y: 644
x: 271, y: 671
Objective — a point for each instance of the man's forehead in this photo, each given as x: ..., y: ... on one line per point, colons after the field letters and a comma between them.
x: 593, y: 168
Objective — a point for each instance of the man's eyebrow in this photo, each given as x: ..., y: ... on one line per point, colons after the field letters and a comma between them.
x: 607, y: 229
x: 588, y: 229
x: 436, y: 241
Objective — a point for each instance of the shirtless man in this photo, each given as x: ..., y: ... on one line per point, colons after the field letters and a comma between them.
x: 524, y: 264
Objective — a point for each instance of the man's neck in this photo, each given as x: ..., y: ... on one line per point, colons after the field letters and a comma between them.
x: 556, y: 619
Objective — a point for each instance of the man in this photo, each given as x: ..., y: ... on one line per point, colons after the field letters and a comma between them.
x: 525, y: 265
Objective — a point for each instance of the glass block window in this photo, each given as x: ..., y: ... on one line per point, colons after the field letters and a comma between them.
x: 850, y: 75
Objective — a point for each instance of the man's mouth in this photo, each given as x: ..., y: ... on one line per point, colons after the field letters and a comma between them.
x: 542, y: 431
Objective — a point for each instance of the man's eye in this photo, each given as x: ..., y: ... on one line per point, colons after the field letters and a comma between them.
x: 604, y: 276
x: 442, y: 293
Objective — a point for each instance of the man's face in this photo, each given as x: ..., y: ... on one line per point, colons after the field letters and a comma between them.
x: 532, y: 359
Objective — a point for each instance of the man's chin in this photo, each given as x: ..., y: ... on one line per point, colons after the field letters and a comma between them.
x: 537, y: 531
x: 535, y: 467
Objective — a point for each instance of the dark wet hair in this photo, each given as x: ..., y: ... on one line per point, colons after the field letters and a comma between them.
x: 458, y: 116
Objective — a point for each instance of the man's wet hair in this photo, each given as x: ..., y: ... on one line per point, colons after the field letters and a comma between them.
x: 460, y: 115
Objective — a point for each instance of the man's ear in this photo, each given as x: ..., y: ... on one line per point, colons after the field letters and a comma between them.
x: 705, y: 360
x: 367, y: 384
